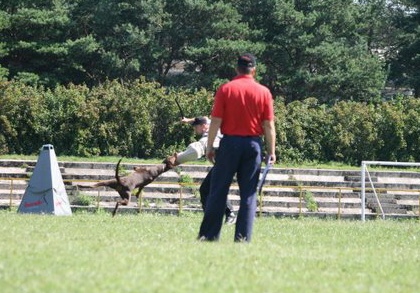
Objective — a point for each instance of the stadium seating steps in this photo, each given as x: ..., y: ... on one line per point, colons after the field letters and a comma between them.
x: 288, y: 192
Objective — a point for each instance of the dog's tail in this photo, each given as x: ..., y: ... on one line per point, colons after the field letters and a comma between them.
x: 117, y: 176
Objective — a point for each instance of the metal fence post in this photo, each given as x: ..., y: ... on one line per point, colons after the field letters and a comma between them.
x: 363, y: 195
x: 140, y: 202
x: 339, y: 203
x: 180, y: 201
x: 98, y: 200
x: 300, y: 201
x: 11, y: 194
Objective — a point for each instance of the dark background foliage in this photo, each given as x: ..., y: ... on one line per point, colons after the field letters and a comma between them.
x: 101, y: 77
x: 329, y: 49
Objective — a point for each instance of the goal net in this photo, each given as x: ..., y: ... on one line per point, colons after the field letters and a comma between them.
x: 390, y: 190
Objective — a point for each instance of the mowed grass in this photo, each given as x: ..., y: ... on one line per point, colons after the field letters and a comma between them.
x: 159, y: 253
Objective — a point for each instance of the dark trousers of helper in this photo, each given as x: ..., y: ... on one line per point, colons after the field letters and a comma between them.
x: 241, y: 156
x: 204, y: 193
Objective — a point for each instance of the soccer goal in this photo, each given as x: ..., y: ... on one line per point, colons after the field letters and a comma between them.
x: 366, y: 175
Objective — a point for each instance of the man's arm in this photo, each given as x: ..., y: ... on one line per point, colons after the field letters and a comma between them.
x: 187, y: 120
x: 214, y: 127
x: 270, y: 140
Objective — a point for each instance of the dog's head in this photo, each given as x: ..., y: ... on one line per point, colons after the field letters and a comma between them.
x: 170, y: 162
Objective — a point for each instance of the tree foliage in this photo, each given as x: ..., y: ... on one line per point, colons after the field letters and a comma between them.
x: 405, y: 66
x: 305, y: 48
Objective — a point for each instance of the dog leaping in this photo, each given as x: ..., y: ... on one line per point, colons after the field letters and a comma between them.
x: 138, y: 179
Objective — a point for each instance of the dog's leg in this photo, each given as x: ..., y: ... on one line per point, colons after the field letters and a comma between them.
x: 139, y: 196
x: 123, y: 202
x: 115, y: 209
x: 138, y: 193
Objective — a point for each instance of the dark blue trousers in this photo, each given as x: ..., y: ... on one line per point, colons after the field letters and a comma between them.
x: 241, y: 156
x: 204, y: 193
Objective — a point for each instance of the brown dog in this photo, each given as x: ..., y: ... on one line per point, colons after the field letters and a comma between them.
x: 141, y: 177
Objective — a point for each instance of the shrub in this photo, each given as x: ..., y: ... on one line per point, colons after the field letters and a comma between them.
x: 83, y: 200
x: 140, y: 119
x: 311, y: 204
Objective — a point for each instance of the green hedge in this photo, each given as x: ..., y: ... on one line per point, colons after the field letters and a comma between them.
x: 135, y: 120
x: 141, y: 119
x: 350, y: 132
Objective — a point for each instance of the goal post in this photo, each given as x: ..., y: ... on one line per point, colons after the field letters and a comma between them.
x: 365, y: 171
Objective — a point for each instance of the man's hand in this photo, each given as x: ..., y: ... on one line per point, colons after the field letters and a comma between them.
x: 270, y: 159
x: 211, y: 154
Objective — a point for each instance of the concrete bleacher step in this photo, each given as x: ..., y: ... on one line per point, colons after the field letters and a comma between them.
x: 408, y: 204
x: 334, y: 191
x: 358, y: 178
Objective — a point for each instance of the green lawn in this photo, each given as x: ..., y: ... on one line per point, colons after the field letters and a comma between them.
x: 159, y: 253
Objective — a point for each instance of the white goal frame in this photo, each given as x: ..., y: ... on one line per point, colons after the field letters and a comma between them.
x: 365, y: 171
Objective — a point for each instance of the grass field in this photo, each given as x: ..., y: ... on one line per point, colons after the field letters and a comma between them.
x: 159, y: 253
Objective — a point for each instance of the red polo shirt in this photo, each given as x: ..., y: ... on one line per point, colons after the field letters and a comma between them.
x: 243, y: 104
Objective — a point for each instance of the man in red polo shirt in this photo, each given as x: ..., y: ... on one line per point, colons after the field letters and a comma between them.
x: 243, y: 111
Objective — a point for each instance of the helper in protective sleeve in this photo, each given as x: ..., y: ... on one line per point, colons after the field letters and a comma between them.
x: 197, y: 150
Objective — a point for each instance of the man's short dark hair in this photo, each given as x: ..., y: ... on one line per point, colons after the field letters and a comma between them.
x: 199, y: 121
x: 247, y: 60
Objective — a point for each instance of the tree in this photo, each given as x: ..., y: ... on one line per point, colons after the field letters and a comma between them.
x: 314, y: 49
x: 86, y: 41
x: 4, y: 23
x: 207, y: 35
x: 305, y: 48
x: 34, y: 40
x: 405, y: 66
x: 149, y: 38
x: 376, y: 25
